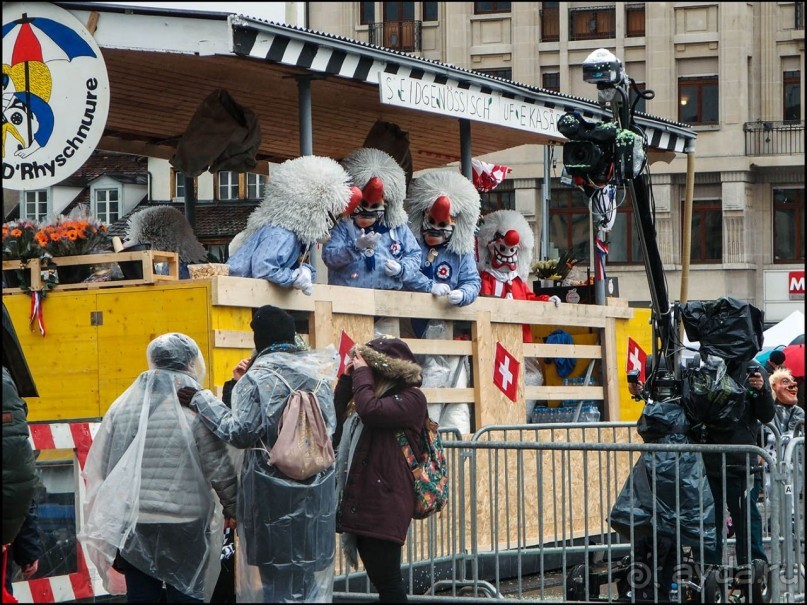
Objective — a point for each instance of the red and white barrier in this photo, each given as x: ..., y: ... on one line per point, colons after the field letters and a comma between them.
x: 85, y: 582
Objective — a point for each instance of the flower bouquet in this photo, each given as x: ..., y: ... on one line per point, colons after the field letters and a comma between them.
x: 73, y: 236
x: 19, y: 244
x: 554, y: 269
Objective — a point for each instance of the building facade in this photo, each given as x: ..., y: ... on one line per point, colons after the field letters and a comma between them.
x: 730, y: 70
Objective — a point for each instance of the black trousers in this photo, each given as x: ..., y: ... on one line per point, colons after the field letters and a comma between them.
x: 382, y: 560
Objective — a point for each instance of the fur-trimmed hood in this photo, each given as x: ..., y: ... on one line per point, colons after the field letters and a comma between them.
x: 166, y: 228
x: 298, y: 196
x: 388, y: 362
x: 464, y: 200
x: 503, y: 221
x: 365, y: 163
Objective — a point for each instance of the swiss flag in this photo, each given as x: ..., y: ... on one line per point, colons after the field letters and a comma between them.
x: 345, y: 344
x: 505, y: 372
x: 636, y: 358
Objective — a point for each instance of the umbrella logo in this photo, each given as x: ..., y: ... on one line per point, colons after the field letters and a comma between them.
x: 55, y: 95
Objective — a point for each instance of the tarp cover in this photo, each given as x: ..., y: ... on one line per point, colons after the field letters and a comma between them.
x: 663, y: 477
x: 726, y: 327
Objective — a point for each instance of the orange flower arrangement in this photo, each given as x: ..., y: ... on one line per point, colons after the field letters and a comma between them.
x: 19, y: 240
x: 70, y: 236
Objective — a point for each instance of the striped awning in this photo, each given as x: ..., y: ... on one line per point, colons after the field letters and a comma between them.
x: 345, y: 58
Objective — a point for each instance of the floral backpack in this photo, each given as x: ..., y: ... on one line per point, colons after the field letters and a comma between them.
x: 430, y: 473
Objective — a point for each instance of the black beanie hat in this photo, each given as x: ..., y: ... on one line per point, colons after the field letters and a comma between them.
x: 777, y: 357
x: 271, y: 325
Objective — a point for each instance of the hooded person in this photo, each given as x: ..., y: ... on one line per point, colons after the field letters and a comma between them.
x: 166, y: 228
x: 303, y: 199
x: 373, y: 247
x: 157, y: 484
x: 376, y: 397
x: 286, y: 527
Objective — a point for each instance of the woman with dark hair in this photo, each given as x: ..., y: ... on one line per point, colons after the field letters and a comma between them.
x: 377, y: 397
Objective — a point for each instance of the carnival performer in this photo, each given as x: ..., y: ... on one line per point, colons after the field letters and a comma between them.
x: 443, y: 208
x: 374, y: 247
x: 303, y: 199
x: 506, y: 243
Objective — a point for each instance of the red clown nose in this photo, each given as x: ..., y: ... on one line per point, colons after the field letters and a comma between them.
x: 355, y: 200
x: 441, y: 210
x: 374, y: 190
x: 511, y: 238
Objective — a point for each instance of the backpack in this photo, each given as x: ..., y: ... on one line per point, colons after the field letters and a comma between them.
x: 303, y: 447
x: 430, y: 473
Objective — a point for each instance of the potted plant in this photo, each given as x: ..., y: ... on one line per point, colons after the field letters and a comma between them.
x: 552, y: 271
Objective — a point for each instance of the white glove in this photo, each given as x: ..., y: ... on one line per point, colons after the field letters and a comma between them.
x: 302, y: 280
x: 392, y: 268
x: 455, y: 297
x: 367, y: 240
x: 440, y: 289
x: 555, y: 300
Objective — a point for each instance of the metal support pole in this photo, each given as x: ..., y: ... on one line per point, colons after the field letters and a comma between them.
x: 546, y: 196
x: 304, y: 110
x: 465, y: 149
x: 190, y: 200
x: 687, y: 227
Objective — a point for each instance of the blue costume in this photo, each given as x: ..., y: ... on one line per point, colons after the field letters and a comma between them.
x: 349, y: 266
x: 271, y: 253
x: 457, y: 270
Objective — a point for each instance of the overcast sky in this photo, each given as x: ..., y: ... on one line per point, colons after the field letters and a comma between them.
x: 269, y: 11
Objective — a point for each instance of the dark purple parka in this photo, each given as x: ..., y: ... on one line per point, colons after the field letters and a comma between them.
x: 378, y: 497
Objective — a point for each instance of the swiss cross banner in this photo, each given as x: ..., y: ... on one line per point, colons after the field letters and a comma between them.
x: 487, y: 177
x: 345, y: 344
x: 636, y: 358
x: 505, y: 372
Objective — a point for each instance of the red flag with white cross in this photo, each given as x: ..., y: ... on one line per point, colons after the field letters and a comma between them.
x: 345, y: 344
x: 505, y: 372
x: 636, y: 358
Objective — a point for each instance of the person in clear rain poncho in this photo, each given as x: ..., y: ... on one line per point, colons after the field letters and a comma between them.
x: 287, y: 527
x: 157, y: 480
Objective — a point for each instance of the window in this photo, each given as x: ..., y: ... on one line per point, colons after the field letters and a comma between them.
x: 399, y: 30
x: 550, y: 22
x: 623, y: 239
x: 788, y: 225
x: 106, y: 205
x: 707, y: 231
x: 641, y: 105
x: 591, y: 24
x: 791, y: 110
x: 430, y: 11
x: 551, y: 81
x: 36, y: 205
x: 366, y: 12
x: 569, y: 222
x: 179, y: 185
x: 498, y: 199
x: 799, y: 17
x: 399, y: 11
x: 634, y: 20
x: 503, y: 72
x: 255, y: 185
x: 698, y: 100
x: 484, y: 8
x: 228, y: 185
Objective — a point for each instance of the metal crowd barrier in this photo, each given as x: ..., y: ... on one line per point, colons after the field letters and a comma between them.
x: 528, y: 518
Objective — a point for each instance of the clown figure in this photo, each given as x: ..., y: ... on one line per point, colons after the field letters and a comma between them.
x: 374, y: 247
x: 443, y: 208
x: 303, y: 199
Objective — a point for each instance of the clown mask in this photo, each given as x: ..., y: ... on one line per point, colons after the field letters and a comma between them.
x: 504, y: 250
x: 372, y: 206
x: 438, y: 226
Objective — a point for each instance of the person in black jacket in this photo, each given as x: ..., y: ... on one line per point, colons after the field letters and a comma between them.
x: 744, y: 429
x: 26, y: 549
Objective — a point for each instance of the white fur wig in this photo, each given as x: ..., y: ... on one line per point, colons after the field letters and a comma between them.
x: 503, y: 221
x: 167, y: 229
x: 298, y: 196
x: 464, y: 200
x: 365, y: 163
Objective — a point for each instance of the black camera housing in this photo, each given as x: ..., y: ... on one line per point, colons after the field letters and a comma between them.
x: 633, y: 377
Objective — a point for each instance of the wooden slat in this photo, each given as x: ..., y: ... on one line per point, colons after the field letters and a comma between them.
x: 562, y: 392
x: 611, y: 408
x: 232, y: 339
x: 438, y: 395
x: 439, y: 347
x: 553, y: 350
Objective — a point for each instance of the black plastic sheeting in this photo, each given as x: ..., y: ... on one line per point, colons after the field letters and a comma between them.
x: 725, y: 327
x: 647, y: 502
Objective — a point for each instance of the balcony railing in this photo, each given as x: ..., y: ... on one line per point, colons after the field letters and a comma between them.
x: 773, y: 138
x: 592, y: 23
x: 397, y: 35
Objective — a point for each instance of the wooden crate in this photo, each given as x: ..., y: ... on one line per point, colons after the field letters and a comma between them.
x: 33, y: 269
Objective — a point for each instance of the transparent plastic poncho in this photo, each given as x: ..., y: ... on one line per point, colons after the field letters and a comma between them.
x: 147, y: 496
x: 286, y: 533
